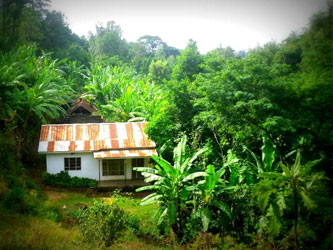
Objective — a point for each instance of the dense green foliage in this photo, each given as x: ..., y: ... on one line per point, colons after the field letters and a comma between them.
x: 298, y: 186
x: 29, y: 84
x: 102, y: 222
x: 63, y: 179
x: 22, y: 199
x: 253, y: 114
x: 173, y: 186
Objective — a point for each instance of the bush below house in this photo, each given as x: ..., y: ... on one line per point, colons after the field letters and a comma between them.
x: 104, y: 223
x: 63, y: 179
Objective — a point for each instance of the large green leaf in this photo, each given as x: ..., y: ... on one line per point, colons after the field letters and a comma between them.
x: 151, y: 177
x: 184, y: 194
x: 194, y: 175
x: 210, y: 178
x: 223, y: 207
x: 281, y: 201
x: 146, y: 188
x: 268, y: 153
x: 286, y: 171
x: 162, y: 216
x: 308, y: 202
x: 179, y: 153
x: 234, y: 174
x: 165, y: 165
x: 148, y: 170
x: 263, y: 191
x: 149, y: 196
x: 205, y: 217
x: 296, y: 167
x: 310, y: 164
x: 195, y: 156
x: 185, y: 165
x: 220, y: 173
x: 154, y: 198
x: 274, y: 222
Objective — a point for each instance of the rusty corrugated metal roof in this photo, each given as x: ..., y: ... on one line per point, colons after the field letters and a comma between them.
x: 93, y: 137
x: 125, y: 153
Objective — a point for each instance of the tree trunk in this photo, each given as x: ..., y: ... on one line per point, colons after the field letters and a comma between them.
x: 178, y: 232
x: 3, y: 18
x: 296, y: 243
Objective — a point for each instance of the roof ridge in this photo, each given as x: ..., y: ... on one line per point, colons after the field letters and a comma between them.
x: 89, y: 123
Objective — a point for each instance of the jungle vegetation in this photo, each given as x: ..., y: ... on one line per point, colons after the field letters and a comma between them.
x: 245, y: 139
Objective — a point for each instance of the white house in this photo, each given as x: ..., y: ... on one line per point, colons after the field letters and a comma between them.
x: 100, y: 151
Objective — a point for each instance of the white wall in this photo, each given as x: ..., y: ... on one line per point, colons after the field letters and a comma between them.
x: 90, y: 166
x: 55, y: 163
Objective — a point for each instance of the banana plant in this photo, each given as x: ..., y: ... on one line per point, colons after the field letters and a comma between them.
x: 104, y: 83
x: 32, y: 91
x: 173, y: 185
x: 267, y: 161
x: 208, y: 191
x: 124, y: 106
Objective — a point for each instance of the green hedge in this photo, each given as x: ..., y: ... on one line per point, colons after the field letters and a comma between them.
x: 63, y: 179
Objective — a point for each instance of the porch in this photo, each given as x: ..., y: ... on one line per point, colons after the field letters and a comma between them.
x: 120, y: 184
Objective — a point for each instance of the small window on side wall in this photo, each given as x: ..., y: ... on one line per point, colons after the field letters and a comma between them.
x: 73, y: 163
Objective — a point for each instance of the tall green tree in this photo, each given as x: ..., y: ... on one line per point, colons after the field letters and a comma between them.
x: 187, y: 63
x: 159, y: 71
x: 152, y: 43
x: 11, y: 17
x: 108, y: 42
x: 140, y: 59
x: 20, y: 22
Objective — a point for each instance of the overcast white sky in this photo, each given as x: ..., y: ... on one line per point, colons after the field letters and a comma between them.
x: 241, y: 24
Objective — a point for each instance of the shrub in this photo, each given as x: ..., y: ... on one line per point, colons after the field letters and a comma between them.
x: 102, y: 222
x: 31, y: 184
x: 51, y: 212
x: 3, y: 187
x: 48, y: 179
x: 20, y: 200
x: 83, y: 182
x: 133, y: 223
x: 63, y: 179
x: 14, y: 198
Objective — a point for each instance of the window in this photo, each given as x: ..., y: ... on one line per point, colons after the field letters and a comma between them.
x: 137, y: 162
x: 113, y: 167
x: 73, y: 163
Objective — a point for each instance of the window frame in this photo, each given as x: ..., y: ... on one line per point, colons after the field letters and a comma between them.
x: 72, y: 164
x: 113, y: 167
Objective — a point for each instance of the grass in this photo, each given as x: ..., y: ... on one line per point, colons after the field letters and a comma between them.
x: 67, y: 199
x: 19, y: 231
x: 54, y: 228
x: 71, y: 201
